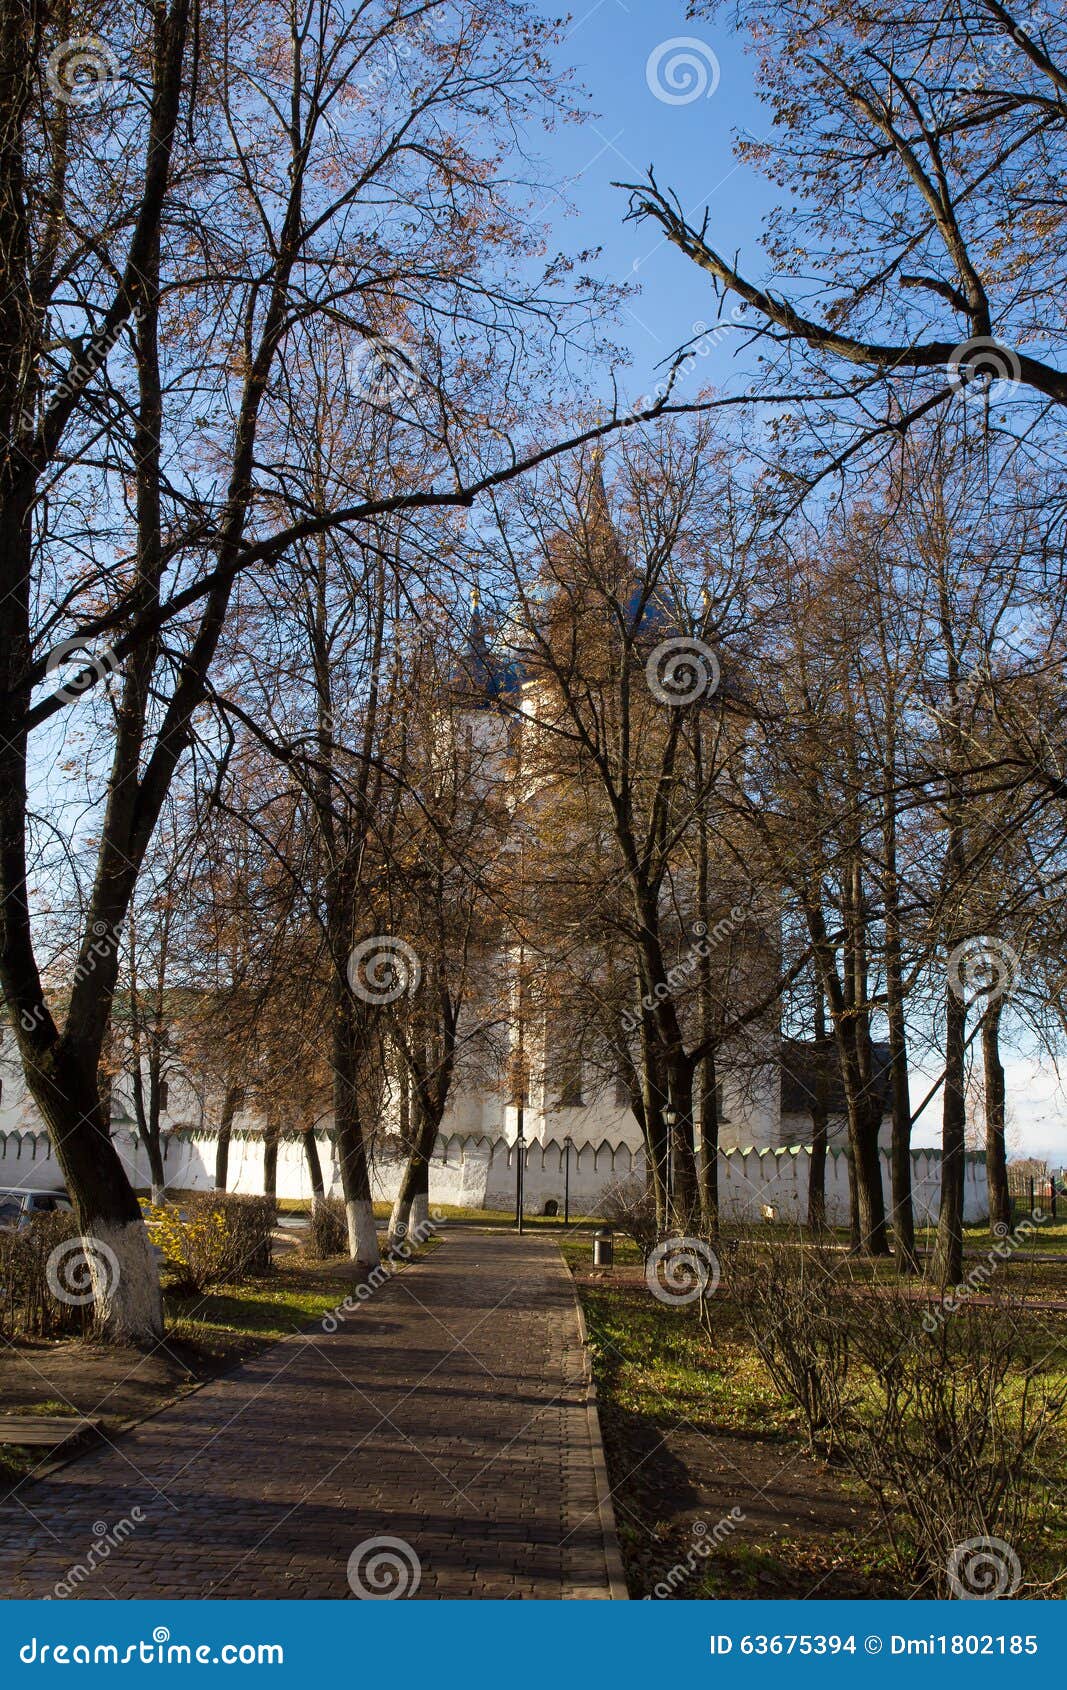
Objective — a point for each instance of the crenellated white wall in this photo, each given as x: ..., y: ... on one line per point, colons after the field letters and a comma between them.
x: 476, y: 1172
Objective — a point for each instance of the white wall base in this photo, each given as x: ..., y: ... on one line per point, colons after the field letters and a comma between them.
x: 479, y: 1173
x: 362, y: 1232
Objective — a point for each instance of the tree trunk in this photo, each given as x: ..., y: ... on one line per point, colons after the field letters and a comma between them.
x: 817, y: 1167
x: 271, y: 1134
x: 122, y: 1270
x: 870, y: 1199
x: 156, y: 1170
x: 148, y: 1123
x: 820, y: 1117
x: 348, y: 1130
x: 865, y: 1110
x: 709, y: 1099
x: 709, y: 1146
x: 866, y: 1198
x: 996, y: 1157
x: 900, y: 1149
x: 411, y: 1206
x: 855, y: 1230
x: 900, y: 1156
x: 311, y: 1152
x: 419, y: 1216
x: 949, y: 1260
x: 684, y: 1161
x: 949, y: 1251
x: 222, y: 1148
x: 153, y: 1137
x: 656, y: 1146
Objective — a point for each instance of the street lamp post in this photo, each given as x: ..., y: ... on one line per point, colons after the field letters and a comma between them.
x: 520, y: 1157
x: 520, y: 1064
x: 520, y: 1101
x: 670, y: 1120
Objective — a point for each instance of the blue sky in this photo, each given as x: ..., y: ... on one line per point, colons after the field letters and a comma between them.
x: 620, y: 49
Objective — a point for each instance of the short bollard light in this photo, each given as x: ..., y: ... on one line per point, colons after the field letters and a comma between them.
x: 603, y: 1247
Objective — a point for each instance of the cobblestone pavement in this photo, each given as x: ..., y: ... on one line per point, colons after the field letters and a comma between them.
x: 448, y: 1412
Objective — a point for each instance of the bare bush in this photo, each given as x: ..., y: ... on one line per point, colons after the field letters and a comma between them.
x: 942, y: 1421
x: 327, y: 1233
x: 249, y: 1224
x: 954, y: 1422
x: 794, y: 1308
x: 29, y: 1307
x: 631, y: 1206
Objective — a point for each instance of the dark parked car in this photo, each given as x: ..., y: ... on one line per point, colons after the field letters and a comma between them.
x: 18, y: 1208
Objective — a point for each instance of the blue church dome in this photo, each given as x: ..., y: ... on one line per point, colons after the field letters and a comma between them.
x: 486, y: 675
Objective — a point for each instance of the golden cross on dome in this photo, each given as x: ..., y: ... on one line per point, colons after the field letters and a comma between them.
x: 598, y: 422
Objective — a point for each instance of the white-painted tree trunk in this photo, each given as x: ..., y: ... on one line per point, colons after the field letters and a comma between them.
x: 399, y: 1221
x: 157, y: 1196
x: 420, y: 1212
x: 362, y: 1233
x: 125, y: 1281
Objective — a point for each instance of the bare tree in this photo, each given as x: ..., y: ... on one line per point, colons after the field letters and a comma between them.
x: 626, y: 737
x: 169, y: 243
x: 915, y: 144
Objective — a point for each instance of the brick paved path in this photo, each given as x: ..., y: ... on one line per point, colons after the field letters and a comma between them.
x: 448, y: 1411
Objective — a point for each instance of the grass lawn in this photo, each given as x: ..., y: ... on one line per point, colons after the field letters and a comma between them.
x: 237, y: 1319
x: 505, y: 1219
x: 502, y: 1219
x: 705, y: 1455
x: 1048, y: 1238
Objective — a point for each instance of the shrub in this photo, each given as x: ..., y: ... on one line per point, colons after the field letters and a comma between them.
x: 249, y: 1224
x: 327, y: 1233
x: 632, y: 1208
x: 214, y: 1238
x: 942, y: 1421
x: 951, y: 1439
x: 28, y: 1306
x: 793, y: 1303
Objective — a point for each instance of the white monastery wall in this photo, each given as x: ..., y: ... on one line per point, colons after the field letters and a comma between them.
x: 479, y: 1173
